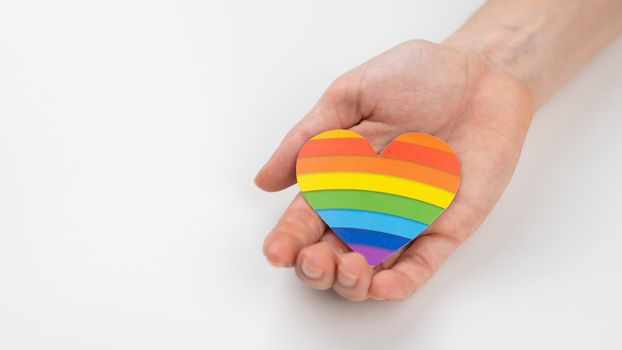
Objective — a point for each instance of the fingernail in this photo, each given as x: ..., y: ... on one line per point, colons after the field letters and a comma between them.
x: 279, y: 264
x: 311, y: 271
x: 276, y: 262
x: 377, y: 298
x: 346, y: 279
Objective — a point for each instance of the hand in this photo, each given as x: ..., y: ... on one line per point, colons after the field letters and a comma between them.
x: 454, y: 94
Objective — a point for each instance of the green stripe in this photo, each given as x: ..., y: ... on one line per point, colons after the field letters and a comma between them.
x: 373, y: 201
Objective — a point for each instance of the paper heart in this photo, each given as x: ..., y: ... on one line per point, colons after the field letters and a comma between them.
x: 377, y: 203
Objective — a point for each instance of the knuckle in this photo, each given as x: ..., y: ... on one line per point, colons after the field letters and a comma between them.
x: 296, y: 218
x: 342, y: 88
x: 298, y: 135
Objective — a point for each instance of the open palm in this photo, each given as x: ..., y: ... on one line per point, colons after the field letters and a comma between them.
x: 454, y: 94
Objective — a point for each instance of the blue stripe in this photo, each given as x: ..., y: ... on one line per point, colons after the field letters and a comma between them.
x: 371, y: 238
x: 373, y: 221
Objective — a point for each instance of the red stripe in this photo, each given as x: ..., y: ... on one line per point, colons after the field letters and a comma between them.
x: 423, y: 155
x: 354, y: 146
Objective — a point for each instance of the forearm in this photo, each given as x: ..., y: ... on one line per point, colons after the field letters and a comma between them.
x: 540, y: 42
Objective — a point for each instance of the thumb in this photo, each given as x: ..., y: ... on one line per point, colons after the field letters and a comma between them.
x: 336, y: 109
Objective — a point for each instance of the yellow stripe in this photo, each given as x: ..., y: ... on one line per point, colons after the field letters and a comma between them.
x: 337, y: 134
x: 377, y: 183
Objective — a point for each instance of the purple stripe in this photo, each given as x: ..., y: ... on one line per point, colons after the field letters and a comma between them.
x: 374, y: 255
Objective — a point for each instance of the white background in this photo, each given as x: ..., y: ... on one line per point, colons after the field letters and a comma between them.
x: 130, y: 132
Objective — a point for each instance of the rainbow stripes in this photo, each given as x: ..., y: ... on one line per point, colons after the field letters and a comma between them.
x: 377, y: 204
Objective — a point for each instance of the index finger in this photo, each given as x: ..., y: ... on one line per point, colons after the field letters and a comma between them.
x: 299, y: 227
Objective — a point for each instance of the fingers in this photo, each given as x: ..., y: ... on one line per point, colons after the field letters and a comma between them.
x: 316, y: 265
x: 353, y: 277
x: 320, y: 264
x: 413, y: 268
x: 329, y: 263
x: 336, y: 109
x: 298, y: 227
x: 322, y: 260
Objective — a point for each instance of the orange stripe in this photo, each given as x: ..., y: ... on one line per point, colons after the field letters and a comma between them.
x: 423, y: 155
x: 426, y: 140
x: 380, y: 165
x: 336, y: 146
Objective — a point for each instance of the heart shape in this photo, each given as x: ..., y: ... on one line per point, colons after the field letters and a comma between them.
x: 377, y: 204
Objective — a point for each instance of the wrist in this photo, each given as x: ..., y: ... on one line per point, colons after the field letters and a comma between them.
x: 503, y: 50
x: 539, y: 43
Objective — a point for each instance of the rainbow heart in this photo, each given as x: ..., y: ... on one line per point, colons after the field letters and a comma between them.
x: 377, y: 203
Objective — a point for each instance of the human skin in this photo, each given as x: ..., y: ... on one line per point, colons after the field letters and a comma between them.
x: 477, y: 91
